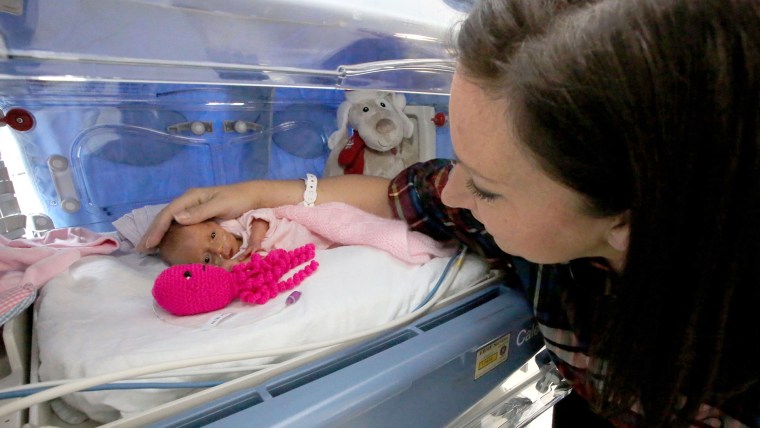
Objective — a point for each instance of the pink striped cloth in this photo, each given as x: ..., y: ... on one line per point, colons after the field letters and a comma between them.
x: 27, y: 264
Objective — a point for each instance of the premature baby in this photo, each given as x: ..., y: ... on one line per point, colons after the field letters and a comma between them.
x: 226, y: 243
x: 206, y: 243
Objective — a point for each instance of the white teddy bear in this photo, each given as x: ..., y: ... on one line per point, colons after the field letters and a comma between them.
x: 381, y: 134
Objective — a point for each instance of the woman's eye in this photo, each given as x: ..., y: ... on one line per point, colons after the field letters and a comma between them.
x: 365, y: 109
x: 213, y: 235
x: 480, y: 194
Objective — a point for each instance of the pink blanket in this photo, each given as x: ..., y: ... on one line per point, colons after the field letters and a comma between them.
x: 324, y: 225
x: 27, y: 264
x: 333, y: 224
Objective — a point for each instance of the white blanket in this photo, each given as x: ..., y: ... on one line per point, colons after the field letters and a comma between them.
x: 100, y: 318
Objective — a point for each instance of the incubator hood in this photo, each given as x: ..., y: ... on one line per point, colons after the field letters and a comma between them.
x: 114, y: 105
x: 120, y: 104
x: 390, y: 44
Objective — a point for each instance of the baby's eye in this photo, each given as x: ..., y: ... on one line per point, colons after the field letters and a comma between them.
x: 213, y: 235
x: 206, y: 259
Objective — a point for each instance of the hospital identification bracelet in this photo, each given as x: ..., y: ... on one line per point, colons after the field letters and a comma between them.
x: 310, y: 194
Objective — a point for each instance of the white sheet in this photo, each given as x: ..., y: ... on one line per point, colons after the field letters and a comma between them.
x: 100, y: 317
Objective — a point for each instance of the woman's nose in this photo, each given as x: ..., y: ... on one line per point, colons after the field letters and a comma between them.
x: 455, y: 193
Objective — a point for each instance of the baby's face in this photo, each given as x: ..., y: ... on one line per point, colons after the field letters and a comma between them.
x: 206, y: 243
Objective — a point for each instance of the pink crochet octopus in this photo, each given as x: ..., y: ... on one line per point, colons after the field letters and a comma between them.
x: 196, y: 288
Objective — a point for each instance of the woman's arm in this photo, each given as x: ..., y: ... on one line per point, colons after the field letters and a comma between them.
x: 195, y: 205
x: 416, y: 198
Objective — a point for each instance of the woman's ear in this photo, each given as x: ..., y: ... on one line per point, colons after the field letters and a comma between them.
x: 619, y: 233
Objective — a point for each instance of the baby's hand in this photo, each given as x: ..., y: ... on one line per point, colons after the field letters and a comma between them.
x: 228, y: 264
x: 243, y: 257
x: 258, y: 229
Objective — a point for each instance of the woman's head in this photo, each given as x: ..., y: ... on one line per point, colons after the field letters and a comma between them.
x: 611, y: 99
x: 529, y: 213
x: 649, y: 110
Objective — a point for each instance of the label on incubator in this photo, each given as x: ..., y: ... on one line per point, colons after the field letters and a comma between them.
x: 491, y: 355
x: 14, y: 7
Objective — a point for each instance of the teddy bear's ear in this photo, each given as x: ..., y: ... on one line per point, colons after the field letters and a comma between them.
x: 342, y: 115
x: 399, y: 102
x: 342, y: 131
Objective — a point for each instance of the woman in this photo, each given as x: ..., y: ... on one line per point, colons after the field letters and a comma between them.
x: 616, y: 149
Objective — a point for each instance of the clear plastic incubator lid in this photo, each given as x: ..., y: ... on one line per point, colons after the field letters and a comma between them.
x: 124, y: 103
x: 388, y: 44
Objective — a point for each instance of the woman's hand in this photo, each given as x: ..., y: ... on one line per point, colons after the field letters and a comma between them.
x: 197, y: 205
x: 231, y: 201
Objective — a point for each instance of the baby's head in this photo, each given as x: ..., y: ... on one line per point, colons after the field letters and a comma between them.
x: 206, y: 243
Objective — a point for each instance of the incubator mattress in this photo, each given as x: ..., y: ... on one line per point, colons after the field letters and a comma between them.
x: 100, y: 317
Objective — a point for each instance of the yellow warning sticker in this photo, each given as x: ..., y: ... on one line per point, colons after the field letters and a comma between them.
x: 491, y: 355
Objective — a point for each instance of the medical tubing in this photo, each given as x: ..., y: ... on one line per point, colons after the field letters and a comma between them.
x: 116, y: 386
x: 438, y: 283
x: 83, y: 384
x: 26, y: 390
x: 31, y: 388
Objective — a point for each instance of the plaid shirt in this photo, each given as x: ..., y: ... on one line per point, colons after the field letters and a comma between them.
x: 562, y: 295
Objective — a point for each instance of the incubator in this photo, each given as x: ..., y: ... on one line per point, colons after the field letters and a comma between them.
x: 117, y: 105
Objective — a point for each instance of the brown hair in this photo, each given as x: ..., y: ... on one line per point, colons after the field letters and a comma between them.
x: 171, y: 241
x: 652, y: 107
x: 494, y: 30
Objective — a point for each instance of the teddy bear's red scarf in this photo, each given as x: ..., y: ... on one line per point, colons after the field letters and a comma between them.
x: 351, y: 157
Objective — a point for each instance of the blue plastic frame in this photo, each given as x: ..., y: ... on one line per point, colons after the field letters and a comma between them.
x: 421, y: 375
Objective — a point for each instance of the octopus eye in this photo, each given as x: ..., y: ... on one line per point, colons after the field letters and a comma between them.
x: 188, y: 275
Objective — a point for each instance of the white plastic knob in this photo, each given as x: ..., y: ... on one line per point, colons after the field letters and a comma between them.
x: 241, y: 127
x: 58, y: 163
x: 197, y: 128
x: 70, y: 205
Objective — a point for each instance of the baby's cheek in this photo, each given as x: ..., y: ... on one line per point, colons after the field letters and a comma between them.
x: 232, y: 241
